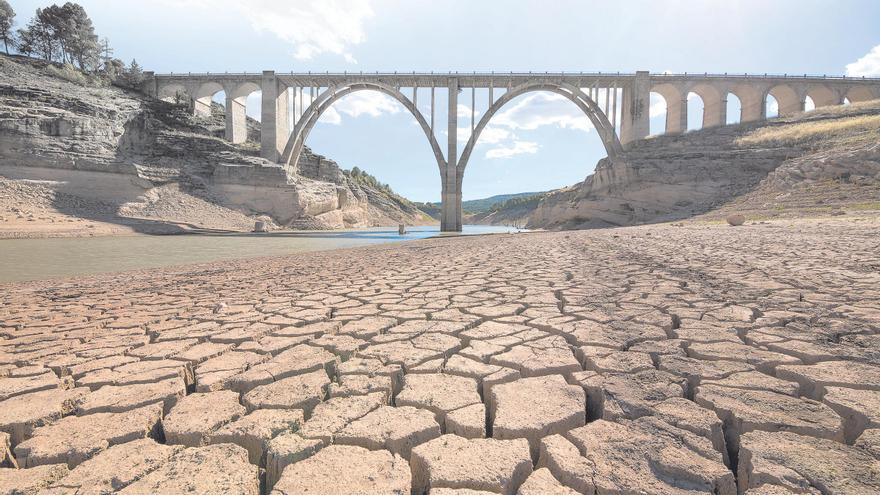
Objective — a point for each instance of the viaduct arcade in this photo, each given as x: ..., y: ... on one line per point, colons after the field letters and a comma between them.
x: 616, y: 104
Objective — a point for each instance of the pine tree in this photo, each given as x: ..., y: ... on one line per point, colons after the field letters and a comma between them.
x: 7, y: 19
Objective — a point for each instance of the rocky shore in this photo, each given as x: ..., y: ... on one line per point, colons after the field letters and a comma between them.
x: 659, y: 360
x: 77, y: 160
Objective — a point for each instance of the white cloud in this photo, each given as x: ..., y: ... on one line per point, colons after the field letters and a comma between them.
x: 867, y: 66
x: 658, y: 106
x: 515, y: 148
x: 369, y: 103
x: 494, y: 135
x: 543, y: 109
x: 312, y: 27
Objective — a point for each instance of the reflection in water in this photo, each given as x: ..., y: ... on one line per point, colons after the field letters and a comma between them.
x: 34, y: 259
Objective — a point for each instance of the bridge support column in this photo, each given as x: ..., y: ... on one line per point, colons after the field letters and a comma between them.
x: 677, y: 116
x: 450, y: 211
x: 236, y: 120
x: 634, y: 113
x: 275, y: 125
x: 202, y: 106
x: 714, y: 111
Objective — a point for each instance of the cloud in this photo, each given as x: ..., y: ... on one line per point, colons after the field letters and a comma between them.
x: 360, y: 103
x: 543, y: 109
x: 515, y: 148
x: 658, y: 106
x: 312, y: 27
x: 867, y: 66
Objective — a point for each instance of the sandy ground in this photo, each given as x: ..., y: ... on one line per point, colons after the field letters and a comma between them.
x: 36, y: 209
x: 659, y: 360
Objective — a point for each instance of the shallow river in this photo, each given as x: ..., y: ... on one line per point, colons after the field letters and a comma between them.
x: 34, y: 259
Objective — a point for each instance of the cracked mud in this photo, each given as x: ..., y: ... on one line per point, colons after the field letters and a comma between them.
x: 654, y: 360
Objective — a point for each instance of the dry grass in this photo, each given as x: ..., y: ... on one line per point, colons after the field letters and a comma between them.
x: 800, y: 132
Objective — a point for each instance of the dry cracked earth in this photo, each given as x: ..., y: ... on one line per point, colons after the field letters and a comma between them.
x: 652, y: 360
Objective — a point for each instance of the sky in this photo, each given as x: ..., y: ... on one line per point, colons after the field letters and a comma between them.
x: 536, y: 142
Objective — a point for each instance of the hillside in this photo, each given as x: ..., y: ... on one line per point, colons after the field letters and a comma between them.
x: 78, y: 159
x: 823, y: 162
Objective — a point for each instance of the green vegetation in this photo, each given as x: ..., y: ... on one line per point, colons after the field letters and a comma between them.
x: 361, y: 177
x: 524, y: 200
x: 7, y: 20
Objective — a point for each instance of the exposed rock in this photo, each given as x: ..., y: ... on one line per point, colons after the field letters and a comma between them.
x: 396, y: 429
x: 803, y: 464
x: 498, y: 466
x: 532, y: 408
x: 113, y: 469
x: 74, y: 439
x: 255, y: 430
x: 438, y: 393
x: 645, y: 456
x: 297, y: 392
x: 349, y: 470
x: 284, y: 450
x: 30, y: 481
x: 222, y: 468
x: 196, y: 416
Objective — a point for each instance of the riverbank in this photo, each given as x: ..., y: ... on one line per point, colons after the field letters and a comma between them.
x: 36, y: 259
x: 703, y: 356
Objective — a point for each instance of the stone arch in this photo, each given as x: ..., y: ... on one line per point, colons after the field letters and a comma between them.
x: 862, y: 93
x: 676, y: 107
x: 752, y: 101
x: 652, y: 98
x: 823, y: 96
x: 789, y: 100
x: 294, y: 147
x: 236, y: 110
x: 733, y: 114
x: 575, y: 95
x: 169, y: 92
x: 203, y: 96
x: 714, y: 104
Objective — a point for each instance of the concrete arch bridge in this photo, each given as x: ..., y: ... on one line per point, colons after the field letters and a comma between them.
x: 616, y: 104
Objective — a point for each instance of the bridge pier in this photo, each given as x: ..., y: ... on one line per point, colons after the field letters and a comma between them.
x: 275, y: 125
x: 635, y: 109
x: 236, y: 119
x: 450, y: 209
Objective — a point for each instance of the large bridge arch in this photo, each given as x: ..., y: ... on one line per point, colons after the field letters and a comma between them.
x: 592, y: 111
x: 295, y: 145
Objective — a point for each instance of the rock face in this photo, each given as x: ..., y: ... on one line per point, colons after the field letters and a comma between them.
x: 722, y: 172
x: 120, y: 157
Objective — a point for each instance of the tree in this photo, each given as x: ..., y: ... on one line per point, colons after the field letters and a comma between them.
x: 78, y: 36
x: 39, y: 37
x: 7, y: 19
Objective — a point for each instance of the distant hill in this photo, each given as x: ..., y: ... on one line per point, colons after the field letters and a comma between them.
x: 484, y: 205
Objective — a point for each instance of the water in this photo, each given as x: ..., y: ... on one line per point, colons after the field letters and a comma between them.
x: 37, y: 259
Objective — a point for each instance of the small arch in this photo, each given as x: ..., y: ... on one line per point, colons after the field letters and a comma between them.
x: 734, y: 109
x: 787, y: 99
x: 575, y: 95
x: 809, y: 105
x: 696, y: 109
x: 296, y: 143
x: 676, y: 107
x: 862, y: 93
x: 772, y: 107
x: 173, y: 93
x: 203, y: 97
x: 714, y: 108
x: 821, y: 96
x: 657, y: 114
x: 753, y: 102
x: 236, y: 104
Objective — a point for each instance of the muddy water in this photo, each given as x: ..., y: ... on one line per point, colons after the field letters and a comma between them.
x: 35, y: 259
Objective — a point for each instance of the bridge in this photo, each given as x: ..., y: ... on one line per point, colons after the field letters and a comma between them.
x: 616, y: 104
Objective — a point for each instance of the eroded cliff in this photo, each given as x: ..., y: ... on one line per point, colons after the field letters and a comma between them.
x: 109, y: 155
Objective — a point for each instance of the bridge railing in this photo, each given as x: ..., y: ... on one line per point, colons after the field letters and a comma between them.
x: 526, y: 74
